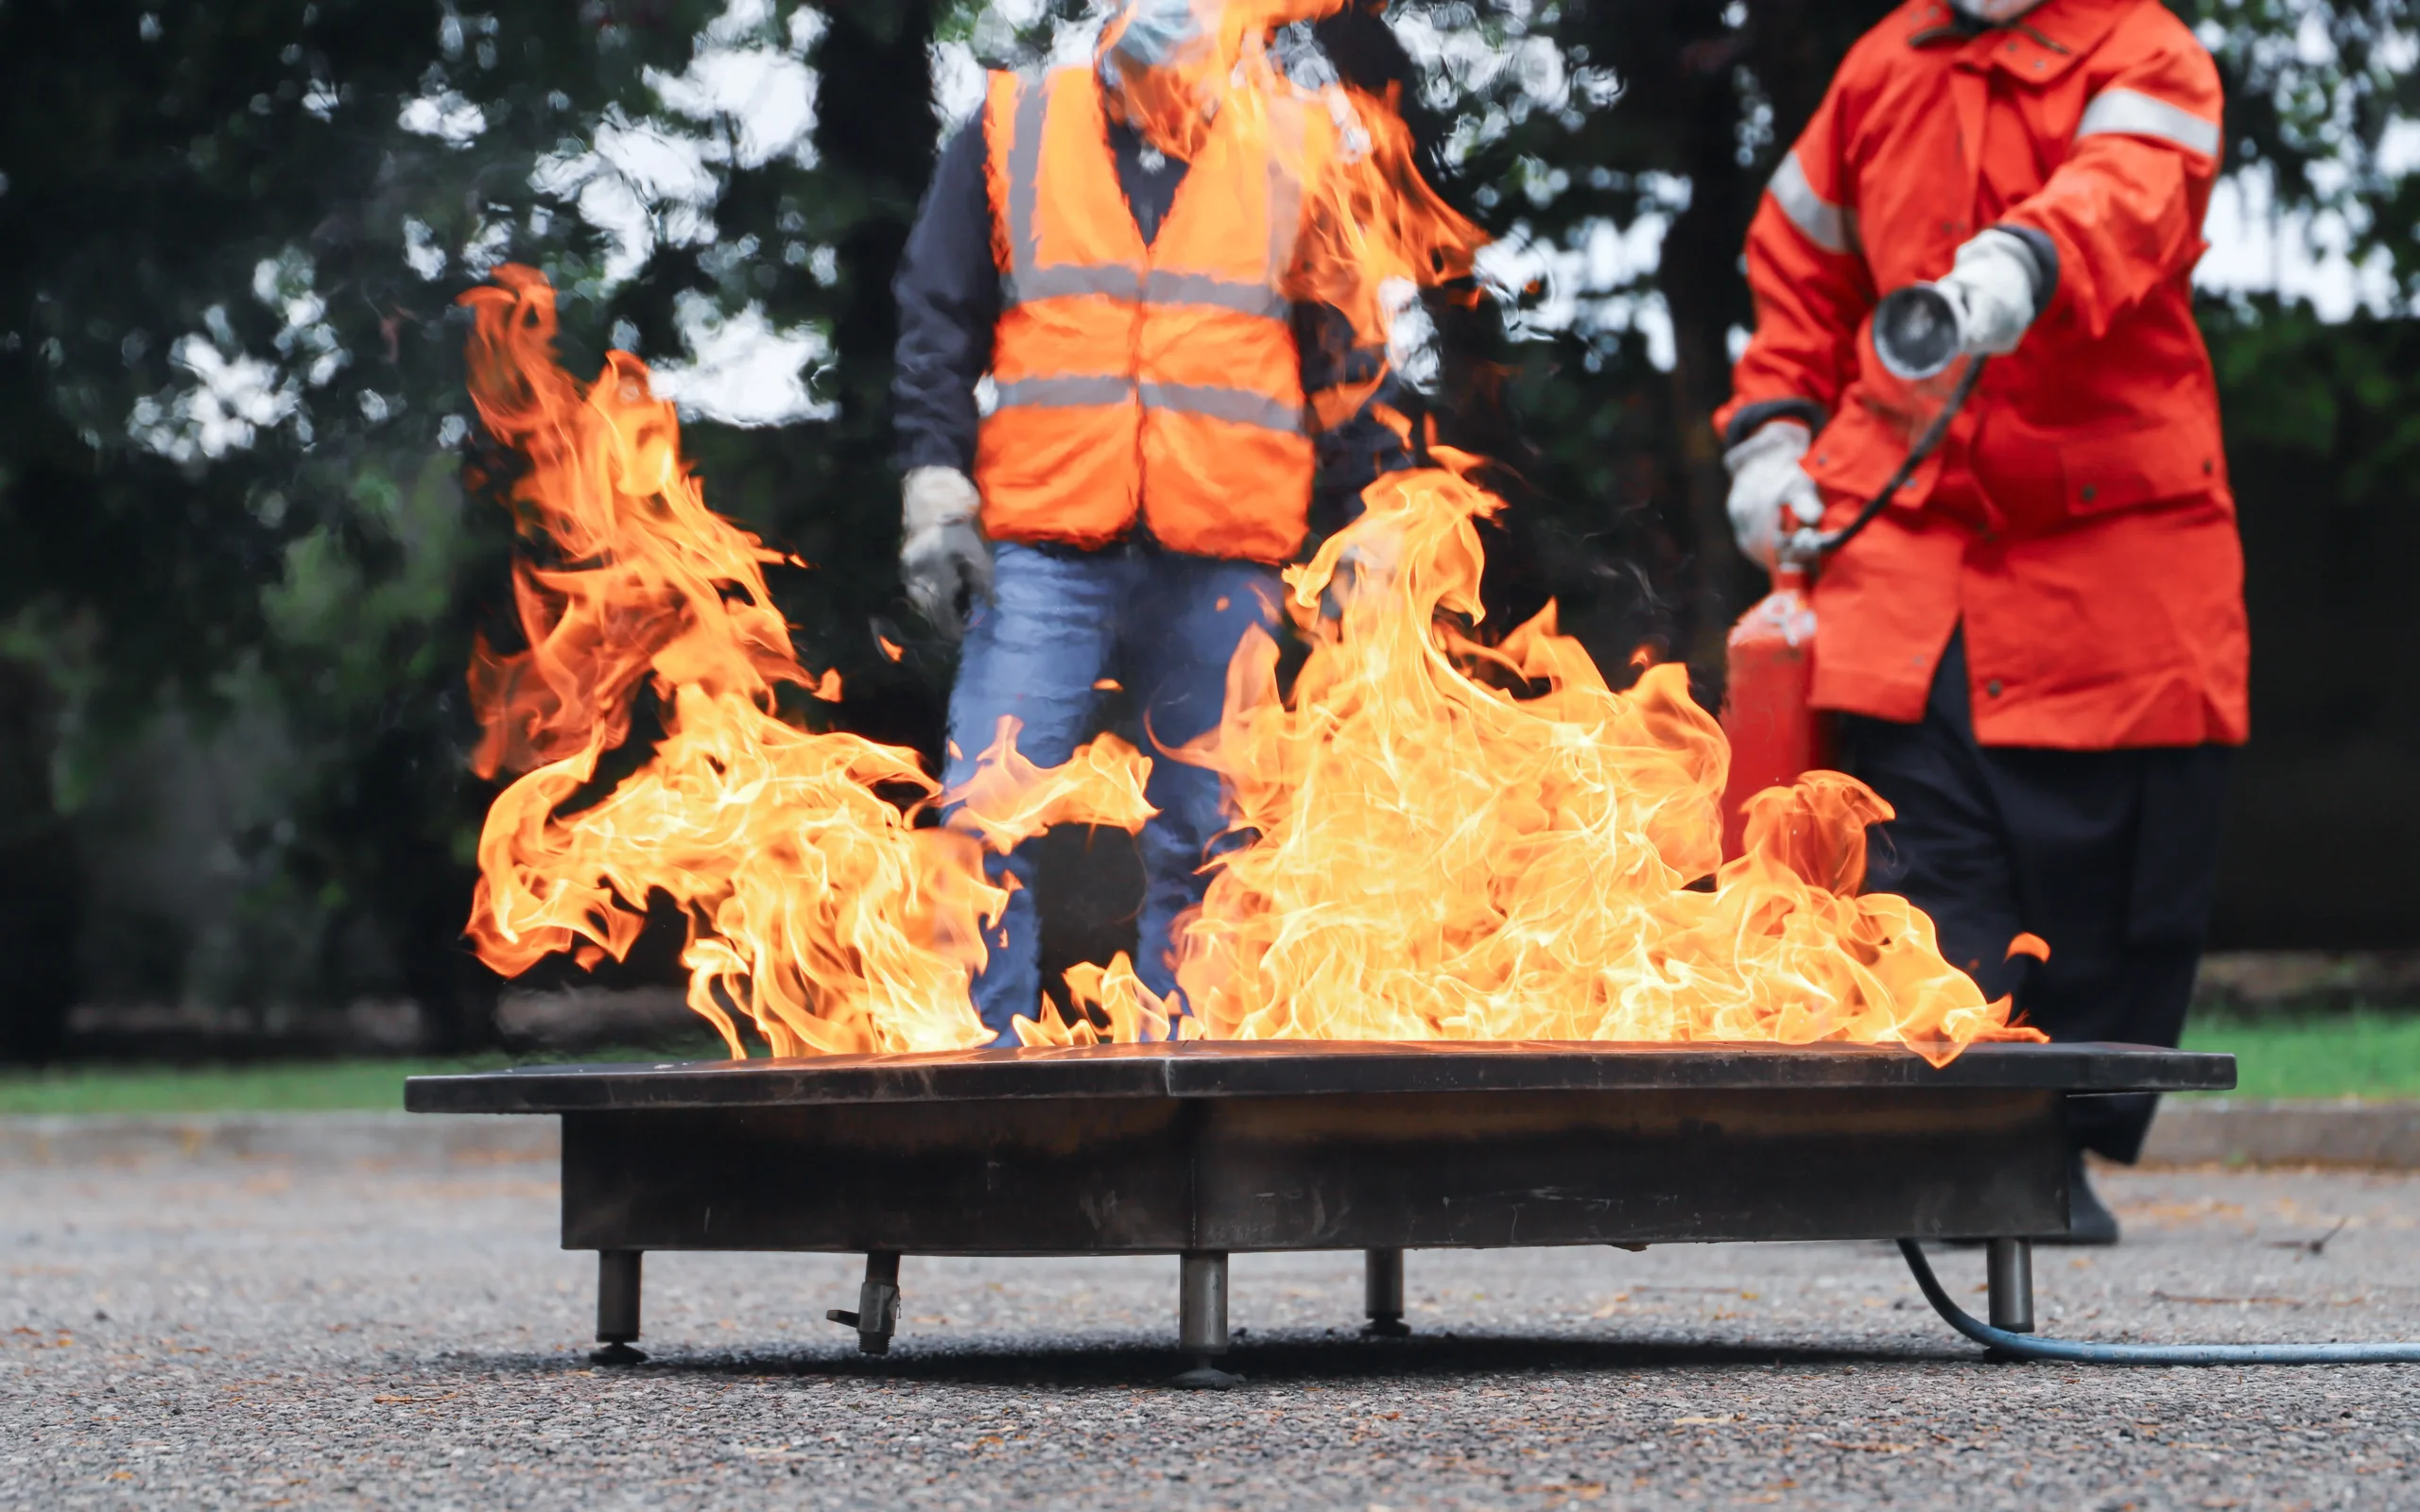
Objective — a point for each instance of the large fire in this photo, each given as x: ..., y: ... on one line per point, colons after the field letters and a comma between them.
x: 1451, y: 836
x: 815, y: 904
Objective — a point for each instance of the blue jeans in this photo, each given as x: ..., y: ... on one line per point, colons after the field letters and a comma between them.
x: 1059, y: 621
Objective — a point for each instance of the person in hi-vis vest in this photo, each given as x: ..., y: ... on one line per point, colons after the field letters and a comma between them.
x: 1116, y: 254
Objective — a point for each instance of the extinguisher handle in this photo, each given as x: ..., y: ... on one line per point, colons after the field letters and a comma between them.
x: 1809, y: 546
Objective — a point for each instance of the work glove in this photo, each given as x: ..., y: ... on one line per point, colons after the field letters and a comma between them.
x: 1766, y: 481
x: 1992, y: 287
x: 943, y: 559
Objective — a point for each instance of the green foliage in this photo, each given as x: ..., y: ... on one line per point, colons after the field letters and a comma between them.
x: 226, y: 397
x: 2313, y: 89
x: 2344, y: 397
x: 274, y: 1086
x: 2323, y: 444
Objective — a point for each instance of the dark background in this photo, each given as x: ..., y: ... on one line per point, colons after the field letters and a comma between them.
x: 232, y: 712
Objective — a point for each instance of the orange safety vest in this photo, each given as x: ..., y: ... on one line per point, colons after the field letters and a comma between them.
x: 1157, y: 382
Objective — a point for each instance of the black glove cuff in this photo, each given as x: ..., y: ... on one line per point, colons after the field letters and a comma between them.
x: 1753, y: 418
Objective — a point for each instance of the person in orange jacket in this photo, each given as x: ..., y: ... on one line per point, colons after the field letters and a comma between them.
x: 2038, y: 650
x: 1167, y: 403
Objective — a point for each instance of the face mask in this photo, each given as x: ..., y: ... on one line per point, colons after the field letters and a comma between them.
x: 1994, y: 12
x: 1159, y: 71
x: 1165, y: 64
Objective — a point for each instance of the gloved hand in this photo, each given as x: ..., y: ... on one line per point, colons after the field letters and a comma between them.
x: 1992, y: 286
x: 942, y: 556
x: 1767, y: 480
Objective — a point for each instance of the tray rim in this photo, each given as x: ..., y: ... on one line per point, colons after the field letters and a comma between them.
x: 1278, y: 1068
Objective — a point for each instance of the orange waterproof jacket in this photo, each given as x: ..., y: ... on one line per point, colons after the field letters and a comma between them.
x: 2077, y: 521
x: 1160, y: 381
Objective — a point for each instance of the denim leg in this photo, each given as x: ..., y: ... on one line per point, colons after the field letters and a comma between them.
x: 1182, y: 629
x: 1033, y: 654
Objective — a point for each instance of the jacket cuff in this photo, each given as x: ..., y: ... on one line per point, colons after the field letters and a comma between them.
x: 2045, y: 262
x: 1751, y: 418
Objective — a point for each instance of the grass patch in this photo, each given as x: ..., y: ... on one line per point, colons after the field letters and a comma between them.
x: 2363, y: 1054
x: 269, y: 1086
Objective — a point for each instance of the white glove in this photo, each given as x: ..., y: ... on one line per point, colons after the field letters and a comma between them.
x: 943, y: 559
x: 1766, y: 479
x: 1991, y: 285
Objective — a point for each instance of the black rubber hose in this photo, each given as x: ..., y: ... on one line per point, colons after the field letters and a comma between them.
x: 1832, y: 541
x: 2026, y: 1347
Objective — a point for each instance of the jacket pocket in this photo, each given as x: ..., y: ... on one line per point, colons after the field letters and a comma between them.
x: 2039, y: 478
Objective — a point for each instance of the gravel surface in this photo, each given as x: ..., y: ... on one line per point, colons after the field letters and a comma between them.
x: 333, y: 1331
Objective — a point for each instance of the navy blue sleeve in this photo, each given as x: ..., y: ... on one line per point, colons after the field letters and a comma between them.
x: 1354, y: 451
x: 948, y: 290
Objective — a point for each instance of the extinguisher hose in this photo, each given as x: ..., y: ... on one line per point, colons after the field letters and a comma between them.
x: 1813, y: 545
x: 2026, y: 1347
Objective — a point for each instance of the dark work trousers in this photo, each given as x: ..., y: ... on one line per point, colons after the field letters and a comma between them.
x: 2110, y: 856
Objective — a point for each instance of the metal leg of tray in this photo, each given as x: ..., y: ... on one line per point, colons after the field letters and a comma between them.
x: 2009, y: 1275
x: 877, y: 1314
x: 1201, y: 1318
x: 1382, y: 1293
x: 617, y: 1307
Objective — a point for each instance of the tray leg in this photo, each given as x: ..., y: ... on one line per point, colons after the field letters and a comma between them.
x: 1201, y: 1318
x: 2009, y: 1275
x: 617, y: 1307
x: 877, y: 1314
x: 1382, y: 1293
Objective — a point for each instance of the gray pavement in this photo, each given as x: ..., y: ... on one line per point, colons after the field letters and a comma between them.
x: 339, y: 1327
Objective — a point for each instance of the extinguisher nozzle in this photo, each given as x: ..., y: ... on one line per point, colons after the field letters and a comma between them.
x: 1915, y: 332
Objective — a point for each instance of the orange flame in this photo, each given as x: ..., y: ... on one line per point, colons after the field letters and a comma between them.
x: 1459, y: 840
x: 816, y: 907
x: 1447, y: 838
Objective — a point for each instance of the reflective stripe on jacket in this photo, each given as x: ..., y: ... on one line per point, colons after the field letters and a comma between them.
x: 1157, y: 381
x: 2078, y: 518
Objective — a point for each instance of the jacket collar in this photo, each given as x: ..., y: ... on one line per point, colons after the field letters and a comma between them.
x: 2037, y: 47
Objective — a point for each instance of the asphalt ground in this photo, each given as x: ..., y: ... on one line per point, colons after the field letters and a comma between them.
x: 335, y: 1330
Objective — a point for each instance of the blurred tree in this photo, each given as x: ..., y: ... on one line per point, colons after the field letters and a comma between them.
x: 225, y: 363
x: 2323, y: 443
x: 828, y: 491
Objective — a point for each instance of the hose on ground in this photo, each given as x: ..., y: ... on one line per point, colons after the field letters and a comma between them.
x: 2028, y: 1346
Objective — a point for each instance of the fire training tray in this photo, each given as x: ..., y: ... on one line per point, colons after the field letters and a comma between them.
x: 1211, y: 1147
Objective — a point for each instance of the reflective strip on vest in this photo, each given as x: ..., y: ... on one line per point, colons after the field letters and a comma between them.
x: 1063, y: 280
x: 1117, y: 280
x: 1166, y: 287
x: 1285, y: 193
x: 1025, y: 184
x: 1027, y: 280
x: 1829, y: 225
x: 1237, y: 406
x: 1086, y: 391
x: 2124, y: 112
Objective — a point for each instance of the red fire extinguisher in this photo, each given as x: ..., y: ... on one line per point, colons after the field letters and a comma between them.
x: 1776, y: 733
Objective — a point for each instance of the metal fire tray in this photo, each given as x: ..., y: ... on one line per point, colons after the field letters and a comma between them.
x: 1207, y: 1148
